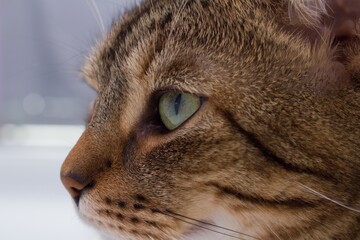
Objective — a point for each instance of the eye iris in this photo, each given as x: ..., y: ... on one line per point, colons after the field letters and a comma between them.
x: 176, y: 108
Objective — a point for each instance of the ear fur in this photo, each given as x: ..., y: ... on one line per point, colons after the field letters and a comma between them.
x: 333, y: 27
x: 340, y: 15
x: 307, y: 12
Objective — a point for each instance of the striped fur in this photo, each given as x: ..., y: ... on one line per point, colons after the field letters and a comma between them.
x: 273, y: 152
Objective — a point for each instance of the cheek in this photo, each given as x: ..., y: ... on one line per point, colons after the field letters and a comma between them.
x: 169, y: 174
x: 210, y: 148
x: 122, y: 212
x: 162, y: 169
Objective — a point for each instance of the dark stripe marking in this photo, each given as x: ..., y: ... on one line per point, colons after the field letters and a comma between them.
x: 166, y: 20
x: 291, y: 202
x: 271, y: 156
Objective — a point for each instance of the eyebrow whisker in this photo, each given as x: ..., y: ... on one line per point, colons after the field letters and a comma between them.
x: 95, y: 10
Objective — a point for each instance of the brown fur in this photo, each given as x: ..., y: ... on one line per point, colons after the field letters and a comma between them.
x: 281, y: 115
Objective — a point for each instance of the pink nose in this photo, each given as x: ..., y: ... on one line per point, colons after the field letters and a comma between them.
x: 72, y: 184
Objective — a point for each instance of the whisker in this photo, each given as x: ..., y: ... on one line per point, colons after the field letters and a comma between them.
x: 169, y: 235
x: 65, y: 46
x: 272, y: 230
x: 213, y: 225
x: 118, y: 3
x: 174, y: 24
x: 54, y: 41
x: 177, y: 17
x: 26, y: 70
x: 95, y: 9
x: 202, y: 227
x: 329, y: 199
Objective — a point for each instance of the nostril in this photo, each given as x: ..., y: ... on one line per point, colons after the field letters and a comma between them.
x: 76, y: 197
x: 73, y: 184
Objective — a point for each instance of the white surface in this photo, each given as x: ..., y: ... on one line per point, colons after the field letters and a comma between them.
x: 33, y: 202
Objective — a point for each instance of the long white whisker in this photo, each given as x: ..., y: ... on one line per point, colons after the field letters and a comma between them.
x: 202, y: 227
x: 213, y: 225
x: 35, y: 66
x: 173, y: 25
x: 329, y: 199
x: 94, y: 8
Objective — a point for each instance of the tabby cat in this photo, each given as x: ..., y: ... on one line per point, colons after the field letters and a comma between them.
x: 223, y: 119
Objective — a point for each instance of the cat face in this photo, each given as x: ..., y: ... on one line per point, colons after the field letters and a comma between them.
x: 217, y: 114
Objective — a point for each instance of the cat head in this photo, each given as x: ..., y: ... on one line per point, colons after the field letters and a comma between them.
x: 220, y: 113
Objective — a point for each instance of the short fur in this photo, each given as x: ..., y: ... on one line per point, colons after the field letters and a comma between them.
x: 277, y: 134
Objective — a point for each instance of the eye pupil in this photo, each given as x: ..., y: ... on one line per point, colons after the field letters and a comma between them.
x: 177, y: 103
x: 176, y: 107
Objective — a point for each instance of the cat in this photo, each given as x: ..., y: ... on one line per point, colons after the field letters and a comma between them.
x: 223, y: 119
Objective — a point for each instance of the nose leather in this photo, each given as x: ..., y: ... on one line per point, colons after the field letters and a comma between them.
x: 72, y: 185
x: 82, y: 165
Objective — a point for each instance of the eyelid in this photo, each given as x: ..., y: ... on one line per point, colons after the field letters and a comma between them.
x: 158, y: 93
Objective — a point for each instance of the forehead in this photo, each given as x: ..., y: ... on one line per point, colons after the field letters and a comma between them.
x: 193, y: 46
x: 170, y: 40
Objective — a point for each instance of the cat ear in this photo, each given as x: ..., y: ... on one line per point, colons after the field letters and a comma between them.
x: 333, y: 27
x: 341, y: 16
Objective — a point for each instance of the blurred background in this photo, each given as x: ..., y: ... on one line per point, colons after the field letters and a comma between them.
x: 43, y: 106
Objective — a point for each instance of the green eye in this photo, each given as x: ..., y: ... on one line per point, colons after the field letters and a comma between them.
x: 175, y: 108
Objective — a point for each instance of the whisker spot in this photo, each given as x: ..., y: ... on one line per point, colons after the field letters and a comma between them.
x: 108, y: 201
x: 134, y: 220
x: 138, y: 206
x: 155, y: 210
x: 122, y: 204
x: 140, y: 198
